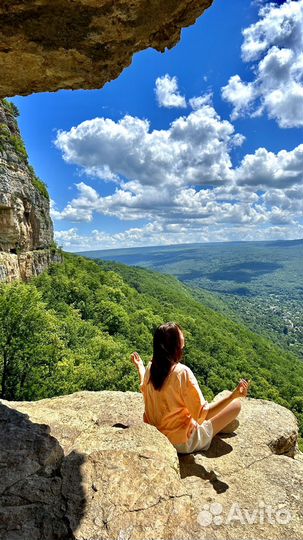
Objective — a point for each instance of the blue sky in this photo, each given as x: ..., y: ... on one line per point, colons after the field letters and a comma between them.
x: 161, y: 169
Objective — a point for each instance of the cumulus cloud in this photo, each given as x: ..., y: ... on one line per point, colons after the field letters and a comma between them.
x: 274, y: 44
x: 79, y: 209
x: 198, y: 101
x: 267, y: 169
x: 240, y: 94
x: 259, y: 196
x: 152, y: 235
x: 180, y: 205
x: 180, y: 181
x: 167, y: 92
x: 193, y: 150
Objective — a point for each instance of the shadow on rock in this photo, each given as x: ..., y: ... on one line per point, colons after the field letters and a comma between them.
x: 189, y: 467
x: 218, y: 446
x: 40, y: 487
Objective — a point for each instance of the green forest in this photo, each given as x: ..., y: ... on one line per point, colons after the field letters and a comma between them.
x: 75, y: 326
x: 258, y: 284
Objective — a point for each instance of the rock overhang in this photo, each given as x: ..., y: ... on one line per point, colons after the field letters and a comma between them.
x: 48, y: 45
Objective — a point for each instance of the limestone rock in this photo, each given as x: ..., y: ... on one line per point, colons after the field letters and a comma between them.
x: 24, y: 211
x: 46, y: 45
x: 31, y: 504
x: 85, y: 466
x: 26, y: 229
x: 26, y: 265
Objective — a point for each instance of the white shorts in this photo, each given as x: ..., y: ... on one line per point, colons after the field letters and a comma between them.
x: 200, y: 439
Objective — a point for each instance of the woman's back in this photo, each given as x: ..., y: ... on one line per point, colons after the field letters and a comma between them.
x: 176, y: 408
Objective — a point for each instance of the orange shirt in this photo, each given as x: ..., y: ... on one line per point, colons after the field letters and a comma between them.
x: 176, y: 409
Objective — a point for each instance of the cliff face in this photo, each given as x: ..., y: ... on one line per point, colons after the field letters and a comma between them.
x: 26, y: 231
x: 46, y: 45
x: 85, y: 466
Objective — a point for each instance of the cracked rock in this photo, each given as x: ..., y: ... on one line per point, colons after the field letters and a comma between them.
x: 71, y: 474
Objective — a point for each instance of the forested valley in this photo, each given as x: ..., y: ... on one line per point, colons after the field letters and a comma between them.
x: 75, y: 326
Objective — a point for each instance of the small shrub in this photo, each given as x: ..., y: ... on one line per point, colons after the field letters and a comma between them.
x: 41, y: 186
x: 38, y: 183
x: 10, y: 107
x: 53, y: 247
x: 19, y: 147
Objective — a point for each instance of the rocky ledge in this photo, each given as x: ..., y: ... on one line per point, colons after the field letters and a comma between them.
x: 84, y: 466
x: 46, y: 45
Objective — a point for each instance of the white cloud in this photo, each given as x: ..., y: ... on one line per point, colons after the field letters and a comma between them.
x: 198, y: 102
x: 275, y: 46
x: 267, y: 169
x: 241, y: 95
x: 193, y: 150
x: 152, y: 235
x: 54, y: 213
x: 79, y: 209
x: 185, y: 212
x: 68, y: 237
x: 167, y: 92
x: 180, y: 181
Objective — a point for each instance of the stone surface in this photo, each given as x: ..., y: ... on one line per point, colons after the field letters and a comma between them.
x: 24, y: 211
x: 26, y: 265
x: 26, y: 229
x: 85, y: 466
x: 46, y: 45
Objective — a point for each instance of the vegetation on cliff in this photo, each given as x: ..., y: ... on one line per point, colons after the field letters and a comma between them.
x: 74, y: 327
x: 10, y: 107
x: 38, y: 183
x: 11, y: 138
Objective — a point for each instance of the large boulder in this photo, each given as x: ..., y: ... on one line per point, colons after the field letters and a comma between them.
x: 85, y: 466
x: 46, y: 45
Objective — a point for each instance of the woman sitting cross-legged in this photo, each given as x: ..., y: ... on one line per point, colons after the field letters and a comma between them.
x: 173, y: 399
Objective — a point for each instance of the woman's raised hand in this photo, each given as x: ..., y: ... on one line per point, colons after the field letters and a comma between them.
x: 242, y: 389
x: 135, y: 358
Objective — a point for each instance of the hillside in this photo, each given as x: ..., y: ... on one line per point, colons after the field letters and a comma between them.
x: 80, y: 321
x: 258, y: 284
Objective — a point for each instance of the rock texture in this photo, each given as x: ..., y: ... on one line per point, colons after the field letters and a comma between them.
x: 26, y: 265
x: 26, y: 230
x: 85, y: 466
x: 46, y: 45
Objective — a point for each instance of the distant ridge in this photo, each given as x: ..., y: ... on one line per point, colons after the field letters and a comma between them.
x: 285, y: 243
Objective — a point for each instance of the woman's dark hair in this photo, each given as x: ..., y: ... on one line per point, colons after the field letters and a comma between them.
x: 167, y: 351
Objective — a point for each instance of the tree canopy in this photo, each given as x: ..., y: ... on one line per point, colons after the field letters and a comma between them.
x: 75, y: 326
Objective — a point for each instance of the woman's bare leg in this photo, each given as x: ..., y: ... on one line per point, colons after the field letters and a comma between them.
x: 229, y: 413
